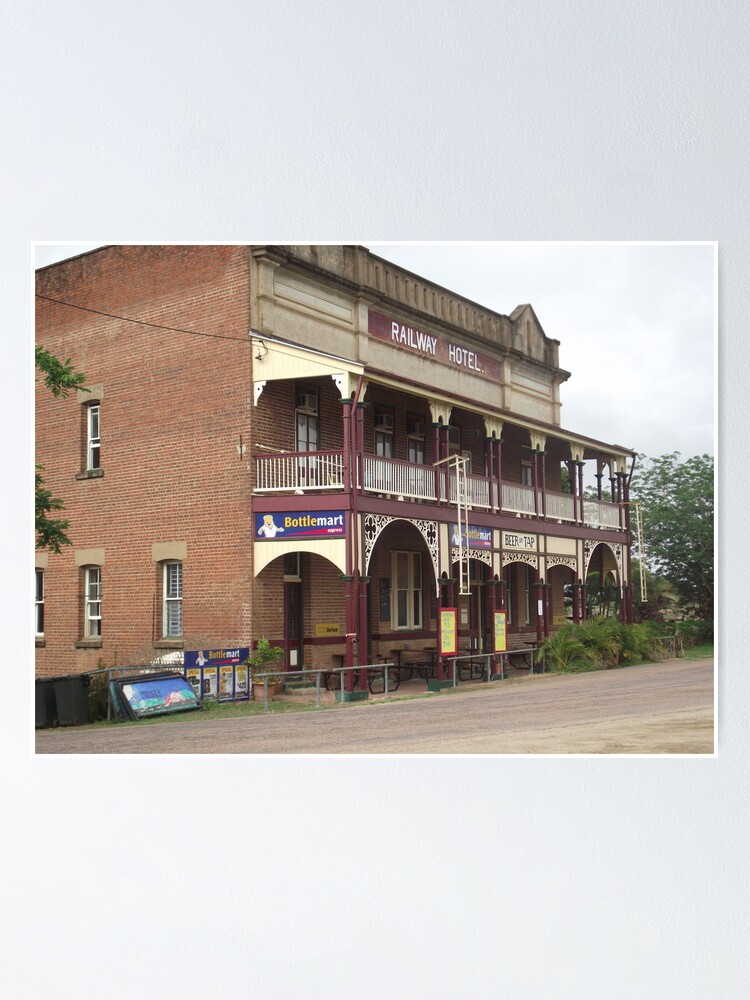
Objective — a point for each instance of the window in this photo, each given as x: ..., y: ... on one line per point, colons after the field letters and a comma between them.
x: 527, y: 594
x: 454, y: 440
x: 39, y: 602
x: 92, y: 603
x: 406, y: 589
x: 509, y: 590
x: 384, y: 431
x: 93, y: 440
x: 415, y: 440
x: 306, y: 434
x: 172, y: 627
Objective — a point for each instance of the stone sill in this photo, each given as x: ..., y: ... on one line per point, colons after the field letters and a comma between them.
x: 89, y: 644
x: 169, y: 644
x: 90, y: 474
x: 39, y: 641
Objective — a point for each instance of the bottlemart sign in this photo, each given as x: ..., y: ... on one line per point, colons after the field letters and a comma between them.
x: 300, y: 524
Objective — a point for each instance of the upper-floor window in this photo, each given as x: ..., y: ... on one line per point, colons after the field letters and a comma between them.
x: 454, y: 440
x: 306, y: 419
x: 172, y: 617
x: 306, y: 434
x: 39, y: 602
x: 415, y: 440
x: 384, y: 431
x: 92, y: 602
x: 93, y: 437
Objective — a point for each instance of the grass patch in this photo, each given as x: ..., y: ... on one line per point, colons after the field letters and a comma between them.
x: 700, y: 652
x: 219, y: 710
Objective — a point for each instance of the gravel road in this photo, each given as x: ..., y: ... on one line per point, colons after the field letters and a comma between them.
x: 651, y: 709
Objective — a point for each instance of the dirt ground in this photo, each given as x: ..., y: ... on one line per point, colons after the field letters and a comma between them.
x: 665, y: 708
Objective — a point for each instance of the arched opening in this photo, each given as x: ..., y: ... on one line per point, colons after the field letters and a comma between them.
x: 563, y: 600
x: 299, y: 605
x: 402, y: 596
x: 603, y: 585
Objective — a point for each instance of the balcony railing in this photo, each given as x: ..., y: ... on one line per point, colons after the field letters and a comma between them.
x: 324, y: 470
x: 387, y: 476
x: 477, y: 491
x: 518, y: 499
x: 317, y: 470
x: 598, y: 514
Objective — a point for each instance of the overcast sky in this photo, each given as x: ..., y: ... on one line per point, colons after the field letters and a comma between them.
x: 635, y: 324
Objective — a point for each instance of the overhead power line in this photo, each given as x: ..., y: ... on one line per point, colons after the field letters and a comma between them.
x: 142, y: 322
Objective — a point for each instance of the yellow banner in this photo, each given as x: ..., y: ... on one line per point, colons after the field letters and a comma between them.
x: 501, y: 633
x: 448, y: 632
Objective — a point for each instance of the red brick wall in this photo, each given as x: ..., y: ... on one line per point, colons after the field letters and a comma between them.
x: 174, y: 407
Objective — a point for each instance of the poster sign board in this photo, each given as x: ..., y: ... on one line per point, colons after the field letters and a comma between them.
x: 218, y: 673
x: 449, y: 632
x: 473, y: 537
x: 154, y: 694
x: 501, y: 631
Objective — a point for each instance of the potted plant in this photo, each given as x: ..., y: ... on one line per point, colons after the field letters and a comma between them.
x: 260, y: 661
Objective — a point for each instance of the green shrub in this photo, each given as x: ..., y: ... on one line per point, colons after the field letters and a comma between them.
x: 565, y: 653
x: 603, y: 638
x: 695, y: 632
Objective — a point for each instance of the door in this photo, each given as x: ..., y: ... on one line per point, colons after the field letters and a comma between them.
x: 293, y: 626
x: 476, y: 616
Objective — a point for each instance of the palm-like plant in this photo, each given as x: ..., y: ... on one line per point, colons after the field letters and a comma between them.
x: 603, y: 638
x: 565, y: 652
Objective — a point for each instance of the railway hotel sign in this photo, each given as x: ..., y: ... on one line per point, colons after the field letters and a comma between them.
x: 428, y: 345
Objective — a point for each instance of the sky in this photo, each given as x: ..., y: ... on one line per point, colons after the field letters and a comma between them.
x: 635, y: 321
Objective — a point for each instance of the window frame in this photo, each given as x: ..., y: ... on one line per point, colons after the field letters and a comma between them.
x: 93, y: 441
x: 527, y: 592
x: 509, y: 590
x: 414, y: 590
x: 92, y: 577
x: 172, y: 600
x: 415, y: 442
x: 384, y: 437
x: 39, y: 603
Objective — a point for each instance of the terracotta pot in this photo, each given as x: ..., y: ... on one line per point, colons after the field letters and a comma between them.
x: 274, y: 688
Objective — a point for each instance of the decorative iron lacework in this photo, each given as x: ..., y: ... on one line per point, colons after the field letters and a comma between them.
x: 588, y: 550
x: 522, y: 557
x: 375, y: 523
x: 481, y: 554
x: 570, y: 561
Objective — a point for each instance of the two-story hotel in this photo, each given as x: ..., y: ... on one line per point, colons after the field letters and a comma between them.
x: 312, y: 445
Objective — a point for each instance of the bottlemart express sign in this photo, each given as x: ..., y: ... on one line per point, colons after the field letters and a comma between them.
x: 295, y: 524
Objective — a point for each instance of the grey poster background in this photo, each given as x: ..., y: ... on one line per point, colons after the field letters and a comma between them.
x: 288, y: 878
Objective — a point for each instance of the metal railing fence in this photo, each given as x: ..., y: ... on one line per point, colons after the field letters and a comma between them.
x: 318, y: 671
x: 487, y: 657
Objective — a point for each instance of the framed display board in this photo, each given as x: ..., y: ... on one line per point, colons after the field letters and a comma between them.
x: 501, y: 631
x: 448, y: 632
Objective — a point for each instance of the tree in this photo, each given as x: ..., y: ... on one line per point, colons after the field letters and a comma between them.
x: 677, y: 504
x: 60, y: 377
x: 661, y: 597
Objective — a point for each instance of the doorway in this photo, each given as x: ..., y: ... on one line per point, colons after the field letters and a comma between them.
x: 293, y: 626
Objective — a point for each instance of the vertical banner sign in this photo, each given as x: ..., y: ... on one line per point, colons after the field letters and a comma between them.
x: 501, y: 636
x: 449, y: 632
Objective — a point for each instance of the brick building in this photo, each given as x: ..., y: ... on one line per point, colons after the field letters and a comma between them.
x: 311, y: 444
